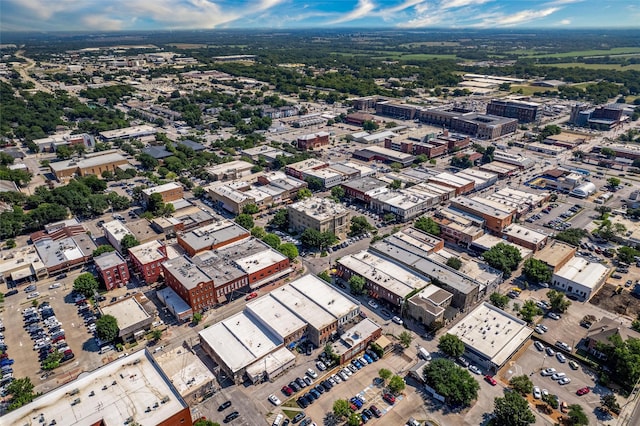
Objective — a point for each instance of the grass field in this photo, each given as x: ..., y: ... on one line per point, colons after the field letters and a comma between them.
x: 616, y: 67
x: 414, y: 56
x: 584, y: 53
x: 530, y: 90
x: 431, y: 43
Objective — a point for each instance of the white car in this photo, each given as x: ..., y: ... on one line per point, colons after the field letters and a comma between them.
x: 397, y: 320
x: 33, y: 295
x: 373, y: 304
x: 554, y: 316
x: 312, y: 373
x: 475, y: 369
x: 54, y: 285
x: 548, y: 372
x: 321, y: 366
x: 274, y: 400
x: 536, y: 392
x: 539, y: 346
x: 564, y: 381
x: 558, y: 376
x: 561, y: 357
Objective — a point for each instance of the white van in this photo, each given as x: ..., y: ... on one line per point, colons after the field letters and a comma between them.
x: 278, y: 420
x: 424, y: 354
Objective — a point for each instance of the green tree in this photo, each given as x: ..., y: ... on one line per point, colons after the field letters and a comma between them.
x: 462, y: 162
x: 280, y: 220
x: 258, y: 232
x: 289, y: 249
x: 389, y: 217
x: 451, y: 345
x: 341, y: 408
x: 147, y: 161
x: 86, y: 284
x: 608, y: 152
x: 314, y: 183
x: 156, y: 334
x: 10, y: 243
x: 521, y: 384
x: 529, y: 310
x: 127, y: 242
x: 359, y: 225
x: 609, y: 402
x: 52, y: 361
x: 385, y: 374
x: 357, y: 284
x: 610, y: 231
x: 197, y: 317
x: 558, y: 301
x: 627, y: 254
x: 503, y: 257
x: 512, y: 410
x: 272, y: 240
x: 613, y: 182
x: 455, y: 384
x: 304, y: 193
x: 337, y: 192
x: 205, y: 422
x: 428, y: 225
x: 198, y: 192
x: 577, y: 416
x: 499, y: 300
x: 536, y: 271
x: 63, y: 152
x: 245, y: 220
x: 21, y: 391
x: 105, y: 248
x: 250, y: 209
x: 571, y: 236
x: 370, y: 125
x: 324, y: 275
x: 454, y: 262
x: 107, y: 328
x: 396, y: 384
x: 354, y: 419
x: 396, y: 184
x: 405, y: 339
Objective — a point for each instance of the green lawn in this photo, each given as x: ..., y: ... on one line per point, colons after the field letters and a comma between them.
x: 530, y: 90
x: 595, y: 66
x: 584, y: 53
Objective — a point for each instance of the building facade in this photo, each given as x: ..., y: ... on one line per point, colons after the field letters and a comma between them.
x: 112, y: 269
x: 147, y: 260
x: 321, y: 214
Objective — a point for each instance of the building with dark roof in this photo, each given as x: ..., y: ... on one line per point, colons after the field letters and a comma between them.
x: 525, y: 112
x: 157, y: 152
x: 197, y: 147
x: 602, y: 332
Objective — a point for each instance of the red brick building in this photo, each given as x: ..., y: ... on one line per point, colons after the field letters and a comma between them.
x: 211, y: 237
x: 313, y: 140
x: 147, y: 260
x: 112, y: 269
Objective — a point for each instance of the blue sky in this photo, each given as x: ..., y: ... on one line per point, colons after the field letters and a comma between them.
x: 105, y: 15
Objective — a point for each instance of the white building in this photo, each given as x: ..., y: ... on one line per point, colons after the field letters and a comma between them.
x: 580, y: 277
x: 114, y: 232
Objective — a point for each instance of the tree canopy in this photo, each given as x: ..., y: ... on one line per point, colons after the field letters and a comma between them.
x: 512, y: 410
x: 359, y: 225
x: 245, y: 220
x: 289, y: 249
x: 107, y: 328
x: 521, y: 384
x: 452, y: 382
x: 499, y: 300
x: 357, y: 284
x: 571, y: 236
x: 127, y: 242
x: 451, y: 345
x: 86, y: 284
x: 503, y: 257
x: 428, y: 225
x: 536, y: 271
x: 558, y: 301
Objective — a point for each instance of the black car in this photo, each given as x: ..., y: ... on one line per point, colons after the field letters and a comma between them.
x: 320, y: 389
x: 61, y: 276
x: 301, y: 383
x: 224, y: 406
x: 231, y: 416
x: 299, y: 417
x: 302, y: 402
x: 294, y: 386
x: 310, y: 397
x: 11, y: 293
x: 327, y: 385
x: 67, y: 357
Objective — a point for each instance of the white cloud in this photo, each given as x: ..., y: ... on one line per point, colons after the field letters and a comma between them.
x: 565, y: 22
x: 103, y: 22
x: 45, y: 9
x: 525, y: 16
x: 363, y: 8
x: 453, y: 4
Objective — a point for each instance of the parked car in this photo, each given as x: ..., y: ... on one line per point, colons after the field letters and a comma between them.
x: 274, y: 399
x: 536, y: 392
x: 490, y: 380
x: 474, y: 369
x: 251, y: 296
x: 583, y: 391
x: 397, y: 320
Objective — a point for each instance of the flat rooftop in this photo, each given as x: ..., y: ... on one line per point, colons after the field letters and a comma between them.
x: 492, y: 333
x: 355, y: 335
x: 319, y: 208
x: 524, y: 233
x: 64, y: 250
x: 131, y: 385
x: 162, y: 188
x: 127, y: 311
x: 487, y: 241
x: 116, y: 229
x: 555, y: 252
x: 581, y: 271
x: 148, y: 252
x: 213, y: 234
x: 482, y: 207
x: 282, y: 320
x: 186, y: 272
x: 109, y: 260
x: 229, y: 167
x: 389, y: 275
x: 240, y: 340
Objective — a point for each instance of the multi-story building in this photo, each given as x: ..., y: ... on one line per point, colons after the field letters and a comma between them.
x: 460, y: 184
x: 364, y: 189
x: 496, y: 216
x: 51, y: 143
x: 211, y: 237
x: 288, y: 184
x: 321, y: 214
x: 230, y: 170
x: 229, y: 198
x: 525, y: 237
x: 525, y: 112
x: 313, y: 140
x: 114, y: 232
x: 459, y: 226
x: 169, y: 191
x: 63, y: 248
x: 147, y: 260
x: 556, y: 254
x: 112, y: 269
x: 128, y: 132
x: 297, y: 170
x: 378, y: 153
x: 580, y: 277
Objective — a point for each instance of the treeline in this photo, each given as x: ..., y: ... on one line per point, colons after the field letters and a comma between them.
x: 82, y: 196
x: 112, y: 94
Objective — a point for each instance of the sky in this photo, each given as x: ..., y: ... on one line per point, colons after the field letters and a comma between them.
x: 114, y: 15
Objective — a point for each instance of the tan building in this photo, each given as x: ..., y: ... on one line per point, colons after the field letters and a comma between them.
x: 321, y: 214
x: 556, y: 255
x: 169, y: 191
x: 90, y: 165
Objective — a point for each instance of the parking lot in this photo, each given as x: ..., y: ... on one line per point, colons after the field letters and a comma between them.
x: 77, y: 337
x: 532, y: 361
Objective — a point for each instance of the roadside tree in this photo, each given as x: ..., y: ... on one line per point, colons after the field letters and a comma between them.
x: 107, y: 328
x: 512, y: 410
x: 451, y: 345
x: 521, y: 384
x: 357, y: 284
x: 558, y: 301
x: 455, y: 384
x: 536, y: 271
x: 499, y: 300
x: 86, y: 284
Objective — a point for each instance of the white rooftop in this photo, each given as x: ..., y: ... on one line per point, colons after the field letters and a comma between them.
x: 132, y: 386
x: 127, y: 311
x: 116, y: 229
x: 524, y: 233
x: 148, y: 252
x: 492, y: 332
x: 279, y: 318
x: 583, y: 272
x: 162, y: 188
x: 259, y: 261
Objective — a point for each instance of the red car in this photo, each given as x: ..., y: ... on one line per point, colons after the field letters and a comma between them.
x: 583, y: 391
x: 389, y: 398
x: 490, y: 380
x: 251, y: 296
x: 287, y: 390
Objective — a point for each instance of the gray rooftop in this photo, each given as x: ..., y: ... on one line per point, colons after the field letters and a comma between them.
x: 212, y: 234
x: 109, y: 260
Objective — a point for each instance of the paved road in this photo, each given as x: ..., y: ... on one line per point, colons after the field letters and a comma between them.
x: 24, y: 74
